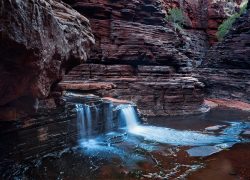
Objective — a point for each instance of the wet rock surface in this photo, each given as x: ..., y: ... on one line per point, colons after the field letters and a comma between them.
x: 53, y: 154
x: 39, y: 40
x: 25, y: 140
x: 232, y: 164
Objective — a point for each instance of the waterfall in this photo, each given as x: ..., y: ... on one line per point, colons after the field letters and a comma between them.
x: 80, y: 121
x: 129, y: 116
x: 84, y: 121
x: 109, y: 117
x: 97, y: 116
x: 177, y: 137
x: 89, y: 117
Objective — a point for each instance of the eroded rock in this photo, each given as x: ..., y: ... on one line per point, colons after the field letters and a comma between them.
x: 39, y: 40
x: 156, y: 90
x: 226, y: 70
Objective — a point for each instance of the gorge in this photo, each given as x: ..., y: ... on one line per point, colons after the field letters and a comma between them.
x: 116, y: 89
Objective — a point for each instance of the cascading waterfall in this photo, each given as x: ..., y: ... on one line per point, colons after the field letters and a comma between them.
x: 89, y: 119
x: 97, y: 115
x: 129, y: 115
x: 204, y: 144
x: 84, y: 121
x: 92, y: 121
x: 81, y: 121
x: 109, y: 117
x: 175, y: 137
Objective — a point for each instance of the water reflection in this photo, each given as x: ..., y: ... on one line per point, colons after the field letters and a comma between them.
x: 156, y: 150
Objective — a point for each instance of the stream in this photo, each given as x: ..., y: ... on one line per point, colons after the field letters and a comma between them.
x: 112, y: 142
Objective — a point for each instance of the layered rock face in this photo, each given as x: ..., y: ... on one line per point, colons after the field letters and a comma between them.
x: 39, y: 40
x: 140, y: 56
x: 226, y: 70
x: 157, y: 90
x: 111, y: 20
x: 217, y: 12
x: 132, y: 32
x: 204, y: 15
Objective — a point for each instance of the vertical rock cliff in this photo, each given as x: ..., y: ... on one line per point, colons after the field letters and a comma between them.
x: 141, y: 57
x: 39, y: 40
x: 138, y: 54
x: 226, y: 71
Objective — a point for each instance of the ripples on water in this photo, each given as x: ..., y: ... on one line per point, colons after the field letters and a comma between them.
x: 136, y: 150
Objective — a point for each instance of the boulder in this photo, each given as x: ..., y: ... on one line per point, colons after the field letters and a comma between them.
x: 39, y: 41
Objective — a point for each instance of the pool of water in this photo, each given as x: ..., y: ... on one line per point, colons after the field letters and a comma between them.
x: 163, y: 147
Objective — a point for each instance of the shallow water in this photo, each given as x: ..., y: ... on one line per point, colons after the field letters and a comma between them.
x: 163, y: 148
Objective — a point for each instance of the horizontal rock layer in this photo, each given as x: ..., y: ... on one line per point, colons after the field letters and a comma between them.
x: 226, y: 70
x: 136, y: 32
x: 35, y: 136
x: 234, y: 51
x: 157, y: 90
x: 226, y: 83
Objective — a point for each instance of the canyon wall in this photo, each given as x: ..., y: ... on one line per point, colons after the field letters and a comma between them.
x: 136, y: 50
x: 115, y: 24
x: 205, y: 15
x: 226, y: 70
x: 39, y: 40
x: 156, y: 90
x: 140, y: 57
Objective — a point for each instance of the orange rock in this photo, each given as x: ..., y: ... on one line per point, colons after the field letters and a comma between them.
x: 117, y: 100
x: 229, y: 103
x: 86, y: 86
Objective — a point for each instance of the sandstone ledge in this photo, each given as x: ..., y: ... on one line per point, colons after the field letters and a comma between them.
x: 155, y: 90
x: 228, y: 103
x: 86, y: 86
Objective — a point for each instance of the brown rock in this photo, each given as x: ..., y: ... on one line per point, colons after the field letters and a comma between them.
x: 156, y: 90
x: 85, y: 86
x: 231, y: 104
x: 37, y: 45
x: 226, y: 69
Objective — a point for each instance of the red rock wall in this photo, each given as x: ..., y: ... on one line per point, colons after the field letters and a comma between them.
x: 38, y: 41
x: 156, y: 90
x: 37, y: 46
x: 226, y: 70
x: 205, y: 15
x: 142, y: 57
x: 132, y: 32
x: 120, y: 30
x: 136, y: 33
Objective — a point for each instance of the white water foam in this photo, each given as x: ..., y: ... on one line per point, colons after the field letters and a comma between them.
x: 84, y: 121
x: 177, y: 137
